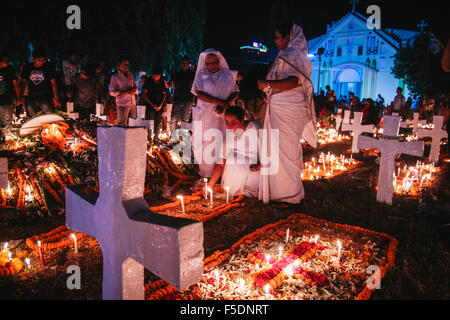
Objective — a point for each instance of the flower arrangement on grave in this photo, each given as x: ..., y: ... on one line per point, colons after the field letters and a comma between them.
x: 63, y: 154
x: 300, y: 257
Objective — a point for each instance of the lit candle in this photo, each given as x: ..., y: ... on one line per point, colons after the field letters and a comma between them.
x: 280, y: 252
x: 241, y: 285
x: 75, y: 243
x: 317, y: 240
x: 41, y: 256
x: 339, y: 250
x: 267, y: 291
x: 9, y: 256
x: 5, y: 246
x: 268, y: 258
x: 27, y: 261
x: 206, y: 188
x: 182, y: 203
x: 228, y: 193
x: 211, y: 196
x: 287, y: 235
x: 216, y: 274
x: 289, y: 272
x: 8, y: 190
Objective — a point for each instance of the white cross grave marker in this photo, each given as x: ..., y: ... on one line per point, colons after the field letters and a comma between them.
x: 415, y: 123
x: 389, y: 147
x: 437, y: 134
x: 347, y: 114
x: 338, y: 120
x: 140, y: 119
x: 132, y: 237
x: 3, y: 173
x: 70, y: 113
x: 357, y: 129
x: 99, y: 110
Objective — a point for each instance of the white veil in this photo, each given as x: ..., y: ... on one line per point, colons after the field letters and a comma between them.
x: 201, y: 65
x: 300, y: 61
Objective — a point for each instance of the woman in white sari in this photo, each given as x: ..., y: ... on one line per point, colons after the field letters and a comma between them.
x: 216, y: 89
x: 239, y: 160
x: 291, y: 111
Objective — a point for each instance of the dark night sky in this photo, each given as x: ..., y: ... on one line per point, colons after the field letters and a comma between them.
x: 231, y: 24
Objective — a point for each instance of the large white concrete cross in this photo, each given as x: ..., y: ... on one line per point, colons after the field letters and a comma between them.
x: 389, y: 147
x: 130, y: 236
x: 414, y: 122
x: 357, y: 129
x: 437, y: 134
x: 3, y: 173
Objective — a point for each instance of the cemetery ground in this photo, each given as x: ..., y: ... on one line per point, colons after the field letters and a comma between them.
x: 422, y: 264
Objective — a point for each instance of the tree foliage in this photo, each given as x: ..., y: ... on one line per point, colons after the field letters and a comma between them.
x: 147, y: 31
x: 421, y: 68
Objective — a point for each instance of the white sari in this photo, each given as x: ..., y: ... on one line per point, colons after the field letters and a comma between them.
x: 292, y: 113
x: 241, y: 151
x: 219, y: 85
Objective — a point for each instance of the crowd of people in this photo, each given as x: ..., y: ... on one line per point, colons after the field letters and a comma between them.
x: 207, y: 96
x: 374, y: 110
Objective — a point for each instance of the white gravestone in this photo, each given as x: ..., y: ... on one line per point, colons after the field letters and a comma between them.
x: 357, y: 129
x: 338, y: 119
x: 3, y: 173
x: 414, y: 122
x: 130, y: 235
x: 347, y: 114
x: 99, y: 110
x: 389, y: 146
x: 437, y: 134
x: 70, y: 113
x: 140, y: 119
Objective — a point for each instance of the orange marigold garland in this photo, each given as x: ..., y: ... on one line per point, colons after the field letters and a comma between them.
x: 273, y: 231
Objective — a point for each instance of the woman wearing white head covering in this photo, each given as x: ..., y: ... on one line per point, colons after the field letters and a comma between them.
x: 291, y: 111
x: 216, y: 89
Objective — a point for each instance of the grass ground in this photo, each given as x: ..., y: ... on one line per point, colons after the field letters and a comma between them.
x: 421, y: 226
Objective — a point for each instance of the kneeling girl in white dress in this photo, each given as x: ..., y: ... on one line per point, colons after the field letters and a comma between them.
x: 238, y: 161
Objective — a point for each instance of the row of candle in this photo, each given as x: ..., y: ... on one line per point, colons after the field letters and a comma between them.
x: 327, y: 136
x: 411, y: 180
x: 207, y: 191
x: 289, y: 270
x: 41, y: 255
x: 313, y: 170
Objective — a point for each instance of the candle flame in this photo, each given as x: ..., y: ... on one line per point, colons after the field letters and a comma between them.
x: 267, y: 289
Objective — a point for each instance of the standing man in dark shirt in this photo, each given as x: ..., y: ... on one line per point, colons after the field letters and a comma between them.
x: 41, y: 79
x: 183, y: 98
x: 154, y: 94
x: 86, y: 91
x: 8, y: 90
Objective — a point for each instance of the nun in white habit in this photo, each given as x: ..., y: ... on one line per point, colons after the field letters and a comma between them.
x: 291, y: 113
x: 216, y: 89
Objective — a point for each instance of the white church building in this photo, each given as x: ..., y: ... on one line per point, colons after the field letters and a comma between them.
x: 358, y: 59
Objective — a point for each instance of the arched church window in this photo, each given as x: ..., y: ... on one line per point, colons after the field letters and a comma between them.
x: 339, y: 51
